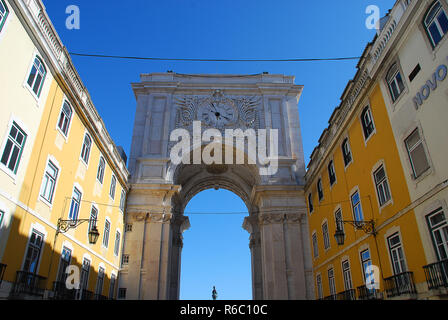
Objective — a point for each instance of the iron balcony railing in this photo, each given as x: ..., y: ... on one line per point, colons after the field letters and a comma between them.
x: 99, y: 297
x: 2, y: 272
x: 84, y: 294
x: 61, y: 292
x: 437, y: 274
x: 331, y: 297
x: 28, y: 283
x: 368, y: 294
x: 347, y: 295
x: 399, y: 284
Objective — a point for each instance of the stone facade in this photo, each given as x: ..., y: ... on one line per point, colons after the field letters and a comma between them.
x: 160, y: 189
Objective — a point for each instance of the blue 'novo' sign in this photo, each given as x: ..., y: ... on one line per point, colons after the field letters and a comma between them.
x: 431, y: 85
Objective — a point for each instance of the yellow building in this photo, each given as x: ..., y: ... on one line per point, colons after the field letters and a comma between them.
x: 357, y: 183
x: 71, y: 179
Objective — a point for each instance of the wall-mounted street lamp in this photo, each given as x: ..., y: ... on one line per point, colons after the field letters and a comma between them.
x: 368, y: 226
x: 65, y: 225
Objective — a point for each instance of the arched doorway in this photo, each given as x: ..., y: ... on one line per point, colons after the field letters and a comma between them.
x: 216, y: 251
x: 160, y: 189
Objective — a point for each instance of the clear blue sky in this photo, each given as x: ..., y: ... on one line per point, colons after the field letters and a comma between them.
x: 216, y: 29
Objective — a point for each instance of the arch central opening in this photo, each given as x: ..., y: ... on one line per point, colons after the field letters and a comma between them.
x: 216, y: 251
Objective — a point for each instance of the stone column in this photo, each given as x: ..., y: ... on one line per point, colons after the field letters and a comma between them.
x: 179, y: 225
x: 282, y: 253
x: 251, y: 225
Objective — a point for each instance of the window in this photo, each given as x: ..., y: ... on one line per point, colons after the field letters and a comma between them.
x: 117, y: 243
x: 315, y: 247
x: 356, y: 206
x: 14, y: 148
x: 37, y: 76
x: 75, y: 204
x: 122, y: 293
x: 438, y: 228
x: 106, y: 233
x: 331, y: 282
x: 4, y: 12
x: 125, y: 259
x: 395, y: 82
x: 93, y: 218
x: 346, y: 153
x: 122, y: 200
x: 319, y: 286
x: 49, y: 182
x: 85, y: 151
x: 310, y: 202
x: 100, y: 281
x: 417, y: 154
x: 366, y: 263
x: 325, y: 235
x: 382, y: 188
x: 33, y: 252
x: 128, y: 227
x: 84, y: 279
x: 65, y: 118
x: 331, y: 173
x: 396, y: 254
x: 113, y: 184
x: 338, y: 220
x: 66, y: 256
x: 367, y: 122
x: 101, y: 169
x: 2, y: 215
x: 113, y: 279
x: 347, y: 275
x: 320, y: 191
x: 436, y: 23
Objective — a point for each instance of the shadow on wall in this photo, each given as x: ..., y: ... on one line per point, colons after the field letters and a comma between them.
x: 33, y: 271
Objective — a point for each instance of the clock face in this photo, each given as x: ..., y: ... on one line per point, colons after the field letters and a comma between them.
x: 218, y: 115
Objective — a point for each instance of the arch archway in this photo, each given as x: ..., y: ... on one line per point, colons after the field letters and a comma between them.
x: 277, y: 220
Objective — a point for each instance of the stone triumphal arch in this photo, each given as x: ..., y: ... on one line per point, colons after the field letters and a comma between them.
x: 161, y: 188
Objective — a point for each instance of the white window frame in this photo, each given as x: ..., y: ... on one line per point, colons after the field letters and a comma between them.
x: 359, y: 203
x: 367, y: 110
x: 315, y: 245
x: 331, y: 164
x: 44, y: 184
x: 122, y: 200
x: 326, y: 235
x: 320, y: 190
x: 384, y: 184
x: 4, y: 16
x: 399, y: 250
x: 102, y: 172
x: 346, y: 275
x: 435, y: 21
x: 117, y: 245
x: 392, y: 78
x: 30, y: 88
x: 440, y: 227
x: 320, y: 292
x: 61, y: 112
x: 113, y: 186
x: 346, y: 142
x: 410, y: 150
x: 331, y: 281
x: 5, y: 168
x: 85, y: 151
x: 310, y: 203
x: 106, y: 235
x: 70, y: 216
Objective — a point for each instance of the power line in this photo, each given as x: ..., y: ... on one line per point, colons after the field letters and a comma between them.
x: 211, y: 60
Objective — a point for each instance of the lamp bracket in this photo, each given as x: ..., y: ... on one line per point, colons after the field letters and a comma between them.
x: 368, y: 226
x: 65, y: 225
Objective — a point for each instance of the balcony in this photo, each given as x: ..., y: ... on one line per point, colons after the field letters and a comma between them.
x: 61, y: 292
x: 84, y: 295
x: 368, y: 294
x: 331, y: 297
x: 2, y: 271
x: 437, y: 274
x: 28, y: 283
x: 99, y: 297
x: 347, y: 295
x: 400, y: 284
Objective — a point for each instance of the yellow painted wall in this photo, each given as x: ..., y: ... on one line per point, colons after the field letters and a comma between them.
x: 66, y: 152
x: 379, y: 147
